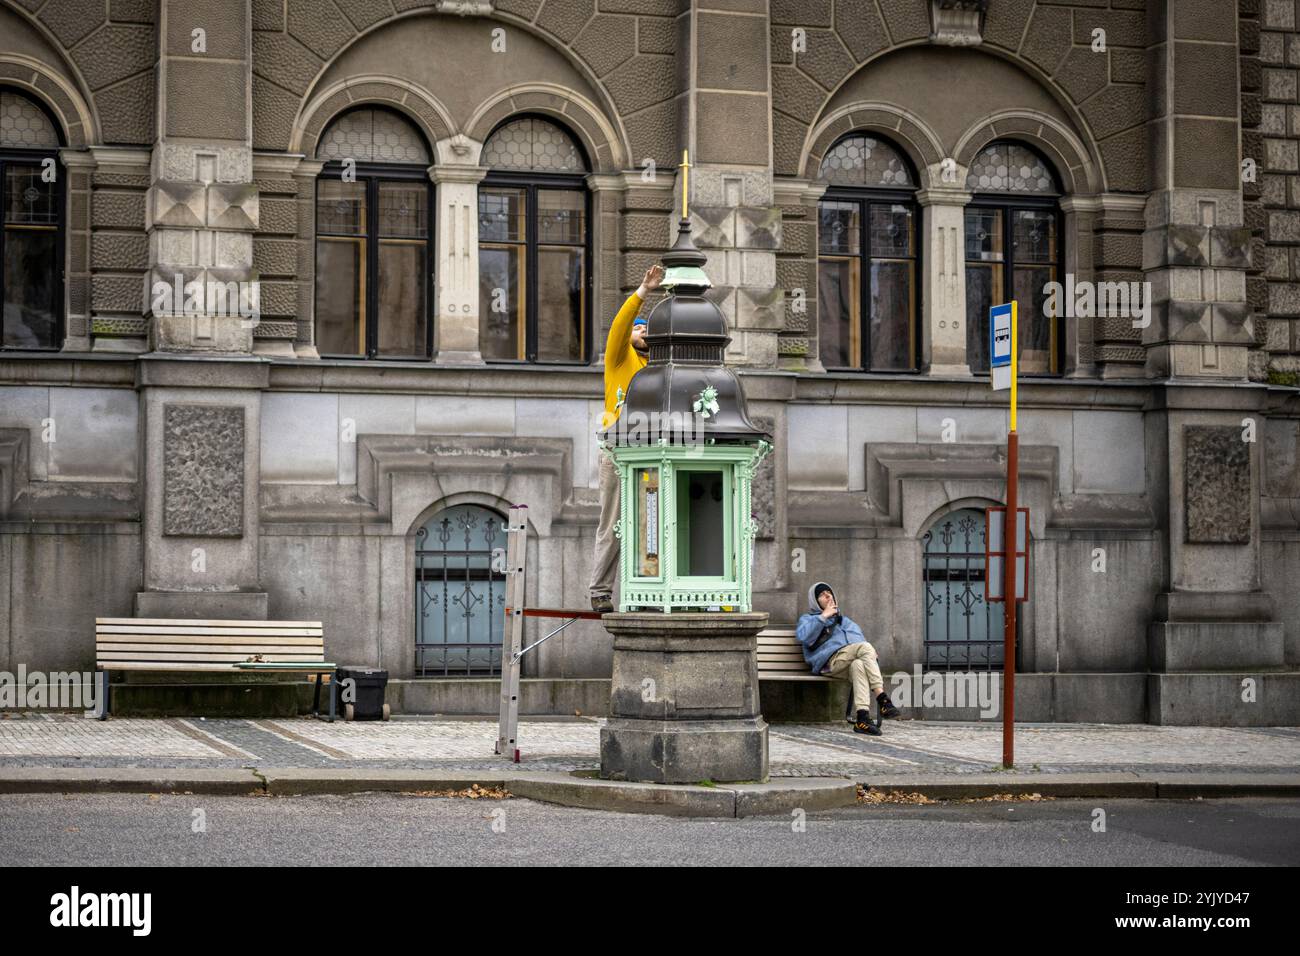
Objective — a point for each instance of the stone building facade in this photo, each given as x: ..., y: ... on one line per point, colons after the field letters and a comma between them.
x: 439, y: 206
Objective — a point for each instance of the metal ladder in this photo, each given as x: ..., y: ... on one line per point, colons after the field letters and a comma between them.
x: 512, y: 649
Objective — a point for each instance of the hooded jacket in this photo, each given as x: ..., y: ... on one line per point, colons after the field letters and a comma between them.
x: 811, y: 625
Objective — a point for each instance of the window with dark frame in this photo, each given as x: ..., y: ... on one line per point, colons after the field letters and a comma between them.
x: 1016, y: 196
x: 534, y: 246
x: 374, y: 239
x: 867, y: 258
x: 32, y: 237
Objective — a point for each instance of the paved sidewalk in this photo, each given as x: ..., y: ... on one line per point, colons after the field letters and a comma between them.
x: 908, y: 748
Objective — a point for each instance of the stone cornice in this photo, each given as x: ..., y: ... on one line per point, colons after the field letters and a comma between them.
x: 457, y: 174
x: 943, y: 196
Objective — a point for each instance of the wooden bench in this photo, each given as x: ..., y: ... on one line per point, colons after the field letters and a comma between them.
x: 159, y: 644
x: 780, y: 657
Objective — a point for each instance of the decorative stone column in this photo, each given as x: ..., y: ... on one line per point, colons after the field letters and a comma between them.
x: 80, y: 167
x: 796, y: 272
x: 722, y: 55
x: 1214, y: 621
x: 456, y: 178
x: 943, y: 282
x: 1196, y: 247
x: 684, y: 705
x: 608, y: 194
x: 201, y: 420
x: 305, y: 174
x: 202, y: 207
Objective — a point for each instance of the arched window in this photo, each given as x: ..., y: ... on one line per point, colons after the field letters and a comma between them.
x: 1015, y: 195
x: 866, y: 257
x: 31, y: 242
x: 373, y: 238
x: 459, y: 596
x: 533, y: 245
x: 962, y: 630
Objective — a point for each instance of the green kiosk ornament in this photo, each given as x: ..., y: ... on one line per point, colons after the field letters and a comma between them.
x: 686, y: 453
x: 684, y: 702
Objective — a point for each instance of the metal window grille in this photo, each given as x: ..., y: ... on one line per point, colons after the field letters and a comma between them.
x: 459, y: 593
x: 963, y: 631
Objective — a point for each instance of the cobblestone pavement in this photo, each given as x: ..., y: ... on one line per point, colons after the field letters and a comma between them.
x: 65, y: 740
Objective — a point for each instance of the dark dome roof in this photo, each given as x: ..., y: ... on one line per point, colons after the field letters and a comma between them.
x: 687, y: 336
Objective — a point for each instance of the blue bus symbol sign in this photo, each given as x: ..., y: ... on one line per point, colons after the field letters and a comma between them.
x: 1000, y: 346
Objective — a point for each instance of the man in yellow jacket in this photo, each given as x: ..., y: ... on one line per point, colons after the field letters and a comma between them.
x: 625, y: 355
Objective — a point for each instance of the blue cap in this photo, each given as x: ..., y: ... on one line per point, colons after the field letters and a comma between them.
x: 640, y: 320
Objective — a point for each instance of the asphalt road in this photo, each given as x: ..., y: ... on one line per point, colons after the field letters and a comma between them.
x: 383, y: 829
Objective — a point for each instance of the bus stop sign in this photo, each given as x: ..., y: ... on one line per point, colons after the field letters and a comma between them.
x: 1000, y: 346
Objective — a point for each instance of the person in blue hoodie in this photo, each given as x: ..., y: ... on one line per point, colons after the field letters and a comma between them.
x: 834, y: 646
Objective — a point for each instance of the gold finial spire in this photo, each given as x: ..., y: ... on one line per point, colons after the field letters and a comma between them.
x: 685, y: 167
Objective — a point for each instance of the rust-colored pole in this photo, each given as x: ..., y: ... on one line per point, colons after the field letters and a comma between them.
x: 1009, y: 595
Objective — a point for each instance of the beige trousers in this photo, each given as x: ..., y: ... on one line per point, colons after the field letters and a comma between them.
x: 604, y: 564
x: 860, y: 661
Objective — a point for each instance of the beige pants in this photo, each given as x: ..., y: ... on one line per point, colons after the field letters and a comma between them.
x: 860, y: 662
x: 604, y: 564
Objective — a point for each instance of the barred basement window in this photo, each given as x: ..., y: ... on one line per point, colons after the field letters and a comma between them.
x: 867, y: 297
x: 963, y: 631
x: 534, y: 245
x: 32, y: 238
x: 374, y: 253
x: 1015, y: 194
x: 460, y: 595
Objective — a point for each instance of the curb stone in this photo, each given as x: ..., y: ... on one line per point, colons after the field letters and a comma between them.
x: 780, y: 795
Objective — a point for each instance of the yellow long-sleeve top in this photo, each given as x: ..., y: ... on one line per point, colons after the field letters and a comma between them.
x: 621, y: 360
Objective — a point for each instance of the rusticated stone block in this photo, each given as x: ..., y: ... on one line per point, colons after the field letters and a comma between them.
x: 72, y: 20
x: 117, y: 210
x: 566, y: 18
x: 232, y: 206
x: 114, y: 53
x: 116, y: 293
x: 119, y: 251
x: 284, y: 61
x: 176, y: 204
x: 127, y: 111
x: 320, y: 32
x: 642, y: 81
x: 825, y: 60
x: 605, y: 41
x: 203, y: 471
x: 1216, y: 476
x: 274, y: 110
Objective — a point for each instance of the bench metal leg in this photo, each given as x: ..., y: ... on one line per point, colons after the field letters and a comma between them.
x: 315, y: 704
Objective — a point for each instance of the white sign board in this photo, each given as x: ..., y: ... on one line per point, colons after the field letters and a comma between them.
x: 1000, y: 346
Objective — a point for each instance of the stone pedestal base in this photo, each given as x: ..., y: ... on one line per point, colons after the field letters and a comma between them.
x: 684, y: 751
x: 684, y: 699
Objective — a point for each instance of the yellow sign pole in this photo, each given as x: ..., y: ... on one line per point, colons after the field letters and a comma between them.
x: 1015, y: 360
x: 686, y: 178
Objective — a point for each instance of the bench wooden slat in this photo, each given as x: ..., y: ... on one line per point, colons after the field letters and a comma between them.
x: 147, y: 652
x: 186, y: 640
x: 203, y: 658
x: 269, y: 633
x: 198, y: 668
x: 780, y: 656
x: 166, y: 644
x: 197, y: 622
x: 786, y: 675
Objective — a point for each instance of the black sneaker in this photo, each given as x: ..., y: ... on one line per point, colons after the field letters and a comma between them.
x: 885, y: 706
x: 602, y: 604
x: 865, y: 725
